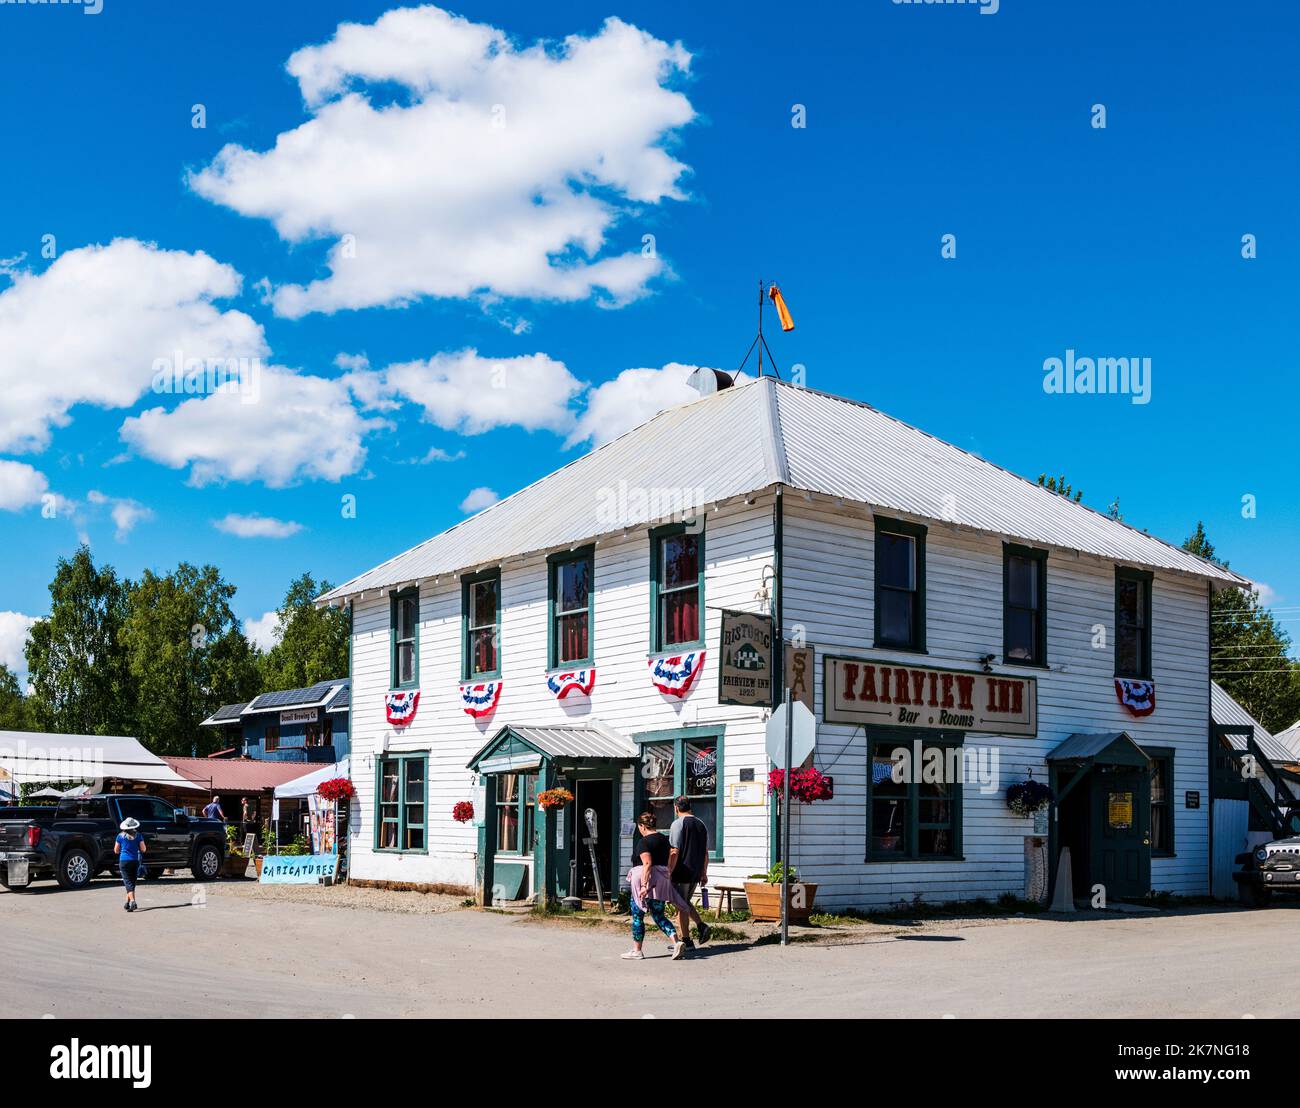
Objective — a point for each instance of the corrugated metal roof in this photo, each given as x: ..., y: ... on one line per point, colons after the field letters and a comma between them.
x: 235, y: 774
x: 1084, y: 745
x: 579, y: 740
x: 1226, y: 711
x: 1290, y: 738
x: 751, y: 437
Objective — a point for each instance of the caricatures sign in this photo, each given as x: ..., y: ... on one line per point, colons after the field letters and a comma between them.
x: 298, y: 869
x: 895, y: 694
x: 745, y: 660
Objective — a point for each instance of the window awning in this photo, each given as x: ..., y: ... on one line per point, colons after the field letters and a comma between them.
x: 525, y: 747
x: 1109, y: 748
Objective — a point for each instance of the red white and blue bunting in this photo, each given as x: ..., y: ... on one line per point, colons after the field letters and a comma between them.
x: 1138, y: 697
x: 578, y: 680
x: 481, y: 700
x: 674, y: 674
x: 400, y: 706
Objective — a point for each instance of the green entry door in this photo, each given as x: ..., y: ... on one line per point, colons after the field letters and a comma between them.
x: 1121, y: 831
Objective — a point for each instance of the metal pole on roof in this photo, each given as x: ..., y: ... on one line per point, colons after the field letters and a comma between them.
x: 761, y: 343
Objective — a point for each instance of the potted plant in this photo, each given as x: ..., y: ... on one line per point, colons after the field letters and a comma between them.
x: 550, y: 799
x: 1027, y: 797
x: 236, y: 861
x: 763, y: 891
x: 463, y: 811
x: 337, y: 789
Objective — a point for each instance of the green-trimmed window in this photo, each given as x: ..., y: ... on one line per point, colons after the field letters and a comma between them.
x: 676, y: 588
x: 685, y: 762
x: 900, y: 584
x: 405, y: 626
x: 1132, y: 623
x: 571, y: 601
x: 481, y: 618
x: 1024, y: 605
x: 1162, y: 801
x: 402, y: 803
x: 918, y: 817
x: 515, y: 801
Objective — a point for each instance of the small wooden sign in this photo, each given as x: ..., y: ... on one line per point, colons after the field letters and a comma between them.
x: 1192, y: 798
x: 800, y: 672
x: 745, y: 660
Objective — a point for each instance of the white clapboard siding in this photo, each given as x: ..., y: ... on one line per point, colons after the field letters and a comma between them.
x: 738, y: 546
x: 828, y: 569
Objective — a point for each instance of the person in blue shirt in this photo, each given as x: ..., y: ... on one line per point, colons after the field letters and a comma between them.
x: 130, y: 849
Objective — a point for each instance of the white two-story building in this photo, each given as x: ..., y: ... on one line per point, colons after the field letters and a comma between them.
x: 569, y: 636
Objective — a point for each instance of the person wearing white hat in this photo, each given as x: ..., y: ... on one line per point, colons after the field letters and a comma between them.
x: 130, y: 849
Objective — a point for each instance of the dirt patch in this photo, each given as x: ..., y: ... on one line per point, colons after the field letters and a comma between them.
x: 343, y: 896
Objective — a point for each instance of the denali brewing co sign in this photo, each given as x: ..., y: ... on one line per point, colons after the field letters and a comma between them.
x: 893, y: 694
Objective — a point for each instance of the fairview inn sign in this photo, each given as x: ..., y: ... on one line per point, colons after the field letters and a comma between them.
x: 894, y: 694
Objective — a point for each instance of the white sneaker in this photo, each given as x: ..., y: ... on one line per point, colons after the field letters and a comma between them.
x: 633, y: 955
x: 679, y: 951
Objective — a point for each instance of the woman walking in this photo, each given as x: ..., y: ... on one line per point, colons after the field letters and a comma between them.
x: 651, y: 887
x: 130, y: 850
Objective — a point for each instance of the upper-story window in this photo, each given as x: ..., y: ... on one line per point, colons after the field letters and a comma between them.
x: 481, y: 616
x: 1132, y: 623
x: 676, y: 587
x: 571, y: 598
x: 900, y: 584
x: 405, y: 625
x: 1024, y: 605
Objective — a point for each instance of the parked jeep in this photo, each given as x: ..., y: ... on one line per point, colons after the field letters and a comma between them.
x: 73, y: 842
x: 1269, y: 868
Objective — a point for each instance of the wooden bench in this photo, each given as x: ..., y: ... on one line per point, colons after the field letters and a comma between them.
x: 722, y: 891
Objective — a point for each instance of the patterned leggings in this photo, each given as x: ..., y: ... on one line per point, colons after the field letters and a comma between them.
x: 657, y: 914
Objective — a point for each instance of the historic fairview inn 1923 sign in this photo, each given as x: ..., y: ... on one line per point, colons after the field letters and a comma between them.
x: 895, y: 694
x: 745, y: 664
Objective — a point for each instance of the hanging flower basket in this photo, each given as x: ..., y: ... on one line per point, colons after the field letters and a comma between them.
x: 806, y: 785
x: 551, y: 799
x: 463, y: 812
x: 1027, y: 797
x: 336, y: 789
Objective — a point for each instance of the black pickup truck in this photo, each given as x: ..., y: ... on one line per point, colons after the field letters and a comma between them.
x: 73, y: 842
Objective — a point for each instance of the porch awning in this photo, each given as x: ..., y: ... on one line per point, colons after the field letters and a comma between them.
x: 1109, y: 748
x: 525, y: 746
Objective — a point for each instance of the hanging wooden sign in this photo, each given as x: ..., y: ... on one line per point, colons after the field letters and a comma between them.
x: 745, y: 660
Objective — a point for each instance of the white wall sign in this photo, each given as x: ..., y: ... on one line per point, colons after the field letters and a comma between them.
x: 300, y: 715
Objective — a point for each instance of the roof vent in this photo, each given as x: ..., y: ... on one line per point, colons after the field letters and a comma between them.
x: 708, y: 381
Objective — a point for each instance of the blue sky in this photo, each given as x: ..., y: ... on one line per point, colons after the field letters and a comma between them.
x: 921, y: 121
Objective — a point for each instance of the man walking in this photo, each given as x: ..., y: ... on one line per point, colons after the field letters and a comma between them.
x: 213, y: 810
x: 688, y: 865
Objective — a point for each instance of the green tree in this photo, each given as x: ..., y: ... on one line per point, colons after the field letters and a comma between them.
x: 312, y: 643
x: 1249, y: 652
x: 1060, y: 485
x: 75, y: 660
x: 187, y: 656
x: 14, y: 715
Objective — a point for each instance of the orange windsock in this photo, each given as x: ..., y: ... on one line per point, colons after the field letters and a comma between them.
x: 787, y: 322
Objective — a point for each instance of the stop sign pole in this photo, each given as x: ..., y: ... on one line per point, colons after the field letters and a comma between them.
x: 785, y: 820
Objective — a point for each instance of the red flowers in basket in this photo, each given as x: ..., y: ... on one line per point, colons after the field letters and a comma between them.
x: 553, y: 798
x: 806, y: 785
x: 463, y: 812
x: 336, y: 789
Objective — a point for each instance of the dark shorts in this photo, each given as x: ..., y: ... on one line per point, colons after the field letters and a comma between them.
x: 687, y: 889
x: 129, y: 871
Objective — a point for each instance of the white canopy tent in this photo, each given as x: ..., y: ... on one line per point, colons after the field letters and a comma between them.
x: 30, y: 756
x: 307, y: 784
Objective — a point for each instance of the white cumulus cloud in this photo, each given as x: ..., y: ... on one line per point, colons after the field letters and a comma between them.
x: 89, y: 329
x: 256, y: 527
x: 20, y: 486
x: 124, y: 511
x: 465, y: 392
x: 478, y: 499
x: 262, y: 631
x: 630, y: 399
x: 499, y: 170
x: 292, y: 426
x: 14, y: 628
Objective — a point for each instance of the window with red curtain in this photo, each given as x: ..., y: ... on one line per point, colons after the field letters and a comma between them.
x: 679, y: 590
x: 571, y: 587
